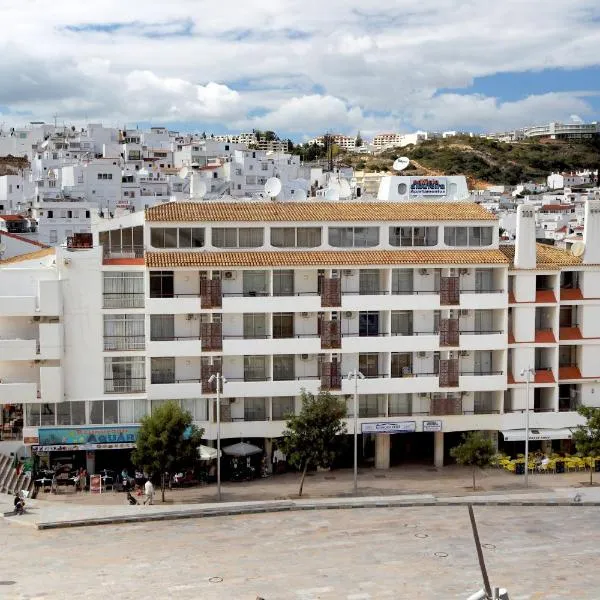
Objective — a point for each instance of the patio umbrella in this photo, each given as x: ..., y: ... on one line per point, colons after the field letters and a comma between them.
x: 242, y: 449
x: 207, y: 453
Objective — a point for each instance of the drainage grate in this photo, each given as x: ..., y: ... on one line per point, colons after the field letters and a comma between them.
x: 488, y: 546
x: 421, y: 535
x: 215, y: 579
x: 440, y: 554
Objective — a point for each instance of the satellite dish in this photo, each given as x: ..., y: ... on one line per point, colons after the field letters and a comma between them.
x: 199, y: 188
x: 577, y: 249
x: 300, y: 194
x: 345, y: 189
x: 184, y: 172
x: 272, y: 187
x: 401, y: 163
x: 332, y: 194
x: 334, y: 184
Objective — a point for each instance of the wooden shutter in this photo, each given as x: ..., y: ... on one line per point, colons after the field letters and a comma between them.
x: 330, y: 335
x: 331, y: 294
x: 449, y: 372
x: 449, y: 333
x: 449, y: 290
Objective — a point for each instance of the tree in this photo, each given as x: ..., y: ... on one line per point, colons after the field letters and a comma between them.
x: 587, y: 437
x: 475, y: 451
x: 359, y: 140
x: 167, y: 442
x: 312, y: 438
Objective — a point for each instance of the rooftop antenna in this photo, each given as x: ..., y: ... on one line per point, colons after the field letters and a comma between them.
x: 401, y: 163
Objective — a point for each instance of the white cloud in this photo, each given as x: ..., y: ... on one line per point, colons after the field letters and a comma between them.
x: 300, y: 66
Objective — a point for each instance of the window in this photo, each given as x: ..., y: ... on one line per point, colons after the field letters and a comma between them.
x: 402, y: 322
x: 255, y: 325
x: 368, y: 323
x: 197, y: 407
x: 255, y: 283
x: 53, y: 236
x: 161, y: 284
x: 484, y: 320
x: 296, y: 237
x: 255, y: 409
x: 123, y: 290
x: 484, y: 403
x: 368, y: 364
x: 104, y: 412
x: 283, y: 367
x: 132, y: 411
x: 484, y: 280
x: 124, y: 332
x: 368, y: 281
x: 162, y: 370
x: 283, y: 325
x: 282, y: 407
x: 401, y: 364
x: 173, y: 237
x: 468, y: 236
x: 368, y: 405
x: 255, y: 368
x: 39, y: 414
x: 70, y: 413
x: 50, y: 214
x: 124, y: 375
x: 231, y: 237
x: 402, y: 281
x: 162, y: 327
x: 283, y: 283
x: 353, y: 237
x: 399, y: 405
x: 413, y: 236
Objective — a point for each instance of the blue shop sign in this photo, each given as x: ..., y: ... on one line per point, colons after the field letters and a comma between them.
x: 87, y: 435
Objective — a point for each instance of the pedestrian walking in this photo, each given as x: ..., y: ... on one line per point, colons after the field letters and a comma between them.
x: 148, y: 492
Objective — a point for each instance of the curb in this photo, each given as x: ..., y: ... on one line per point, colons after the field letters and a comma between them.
x: 234, y: 511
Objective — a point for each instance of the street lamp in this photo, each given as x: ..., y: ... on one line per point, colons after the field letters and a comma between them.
x: 220, y: 380
x: 356, y: 375
x: 527, y: 374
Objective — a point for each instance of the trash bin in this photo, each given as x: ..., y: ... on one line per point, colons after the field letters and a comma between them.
x: 560, y: 466
x: 597, y: 465
x: 520, y: 469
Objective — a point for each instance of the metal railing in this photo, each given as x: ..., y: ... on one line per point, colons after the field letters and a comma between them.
x: 134, y: 385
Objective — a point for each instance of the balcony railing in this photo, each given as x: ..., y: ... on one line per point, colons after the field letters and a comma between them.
x: 126, y: 252
x: 481, y: 291
x: 113, y: 343
x: 168, y: 378
x: 133, y: 385
x: 482, y: 373
x: 123, y: 300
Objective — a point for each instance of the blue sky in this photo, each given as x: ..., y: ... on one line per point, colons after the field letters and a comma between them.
x: 300, y: 68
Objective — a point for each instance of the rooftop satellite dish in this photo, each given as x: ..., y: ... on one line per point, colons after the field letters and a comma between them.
x: 332, y: 194
x: 345, y: 189
x: 272, y: 187
x: 401, y: 163
x: 300, y: 194
x: 44, y: 144
x: 577, y: 249
x: 199, y: 189
x: 184, y: 172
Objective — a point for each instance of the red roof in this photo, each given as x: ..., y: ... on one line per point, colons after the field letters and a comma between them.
x: 12, y: 217
x: 557, y: 207
x: 562, y: 229
x: 23, y: 239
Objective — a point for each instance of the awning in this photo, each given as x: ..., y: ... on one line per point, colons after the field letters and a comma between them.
x: 518, y: 435
x: 68, y: 447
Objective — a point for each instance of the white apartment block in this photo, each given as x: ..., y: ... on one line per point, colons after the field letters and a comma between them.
x: 344, y: 142
x: 278, y: 297
x: 557, y: 130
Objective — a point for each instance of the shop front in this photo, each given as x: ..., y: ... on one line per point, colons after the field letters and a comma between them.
x: 91, y: 448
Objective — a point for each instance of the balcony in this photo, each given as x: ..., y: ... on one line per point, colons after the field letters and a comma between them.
x: 132, y: 385
x: 383, y: 300
x: 383, y: 342
x: 569, y: 372
x: 296, y: 344
x: 544, y: 336
x: 17, y: 306
x: 13, y: 392
x: 570, y: 294
x: 543, y: 375
x: 127, y: 255
x: 15, y: 349
x: 483, y: 298
x: 480, y: 339
x: 238, y: 388
x: 545, y: 296
x: 184, y: 346
x: 308, y: 302
x: 174, y: 389
x: 569, y: 333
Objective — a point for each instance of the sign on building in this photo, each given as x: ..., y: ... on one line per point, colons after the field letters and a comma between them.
x: 428, y: 186
x: 432, y: 426
x: 389, y: 427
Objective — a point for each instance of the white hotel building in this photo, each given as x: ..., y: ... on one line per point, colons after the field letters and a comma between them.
x: 280, y: 297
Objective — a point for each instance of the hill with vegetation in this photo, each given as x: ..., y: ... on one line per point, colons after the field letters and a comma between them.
x: 486, y: 161
x: 11, y: 165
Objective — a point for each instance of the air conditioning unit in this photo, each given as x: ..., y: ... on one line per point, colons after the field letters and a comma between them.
x: 464, y: 312
x: 421, y: 354
x: 348, y: 314
x: 305, y: 315
x: 36, y: 319
x: 229, y: 275
x: 422, y: 394
x: 464, y: 353
x: 305, y: 357
x: 424, y: 272
x: 347, y: 272
x: 191, y: 317
x: 463, y: 271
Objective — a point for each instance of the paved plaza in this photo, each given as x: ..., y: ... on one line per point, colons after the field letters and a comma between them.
x: 359, y: 554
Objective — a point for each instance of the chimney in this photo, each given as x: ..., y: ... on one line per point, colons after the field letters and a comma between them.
x: 591, y: 233
x: 525, y: 243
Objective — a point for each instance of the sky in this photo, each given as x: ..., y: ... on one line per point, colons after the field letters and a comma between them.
x: 301, y: 67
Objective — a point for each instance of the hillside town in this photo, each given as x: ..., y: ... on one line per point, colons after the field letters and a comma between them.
x: 137, y: 265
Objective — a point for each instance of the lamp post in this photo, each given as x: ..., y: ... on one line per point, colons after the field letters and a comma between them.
x: 220, y: 380
x: 356, y: 375
x: 527, y: 372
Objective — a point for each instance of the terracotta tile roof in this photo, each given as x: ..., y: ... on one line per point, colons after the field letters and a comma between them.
x: 331, y: 258
x: 547, y: 257
x: 29, y: 256
x: 22, y: 238
x: 317, y: 211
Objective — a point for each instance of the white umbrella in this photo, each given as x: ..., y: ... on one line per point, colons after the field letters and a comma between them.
x: 242, y: 449
x: 207, y: 453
